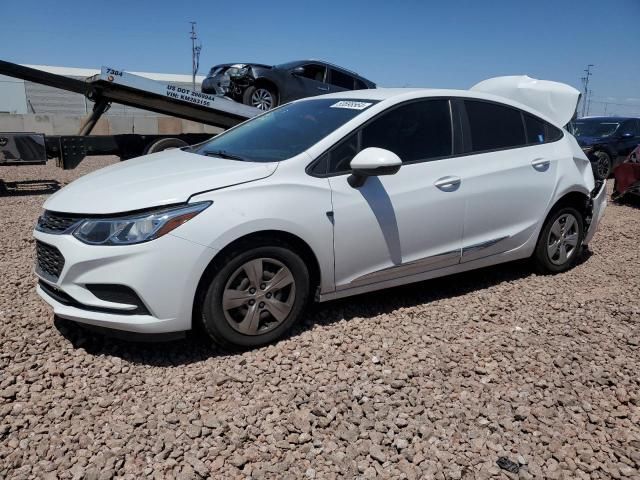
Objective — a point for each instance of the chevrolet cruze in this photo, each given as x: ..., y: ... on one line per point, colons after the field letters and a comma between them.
x: 319, y: 199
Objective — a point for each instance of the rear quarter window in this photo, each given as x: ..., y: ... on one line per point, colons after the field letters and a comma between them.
x: 342, y: 80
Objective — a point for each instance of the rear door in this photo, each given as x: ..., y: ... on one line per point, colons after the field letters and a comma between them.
x: 510, y: 175
x: 629, y: 133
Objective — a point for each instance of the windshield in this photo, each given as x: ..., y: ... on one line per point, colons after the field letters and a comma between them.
x: 595, y: 128
x: 285, y: 132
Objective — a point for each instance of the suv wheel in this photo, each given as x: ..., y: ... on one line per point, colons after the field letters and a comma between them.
x: 560, y: 241
x: 603, y: 165
x: 262, y: 98
x: 256, y: 296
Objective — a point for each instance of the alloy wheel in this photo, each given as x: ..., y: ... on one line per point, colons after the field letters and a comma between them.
x: 562, y: 242
x: 258, y: 296
x: 262, y: 99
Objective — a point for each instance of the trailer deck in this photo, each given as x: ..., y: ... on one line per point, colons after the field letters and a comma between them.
x: 115, y: 85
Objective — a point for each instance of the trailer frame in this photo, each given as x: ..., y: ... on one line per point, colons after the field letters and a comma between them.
x: 117, y: 86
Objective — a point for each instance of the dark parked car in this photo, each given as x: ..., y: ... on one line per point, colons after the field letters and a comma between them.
x: 607, y: 140
x: 265, y: 87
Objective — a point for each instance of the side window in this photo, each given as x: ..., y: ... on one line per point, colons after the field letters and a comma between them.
x: 539, y: 131
x: 494, y: 126
x: 342, y: 80
x: 536, y: 131
x: 553, y: 133
x: 340, y: 156
x: 360, y: 85
x: 415, y: 131
x: 315, y: 72
x: 630, y: 126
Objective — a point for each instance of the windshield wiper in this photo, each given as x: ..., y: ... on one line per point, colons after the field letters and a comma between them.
x: 225, y: 154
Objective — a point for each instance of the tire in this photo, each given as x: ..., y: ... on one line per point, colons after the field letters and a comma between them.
x: 549, y: 259
x: 164, y: 144
x: 246, y: 320
x: 603, y: 165
x: 261, y: 97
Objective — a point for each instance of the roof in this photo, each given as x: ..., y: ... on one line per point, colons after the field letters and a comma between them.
x: 89, y: 72
x: 395, y: 95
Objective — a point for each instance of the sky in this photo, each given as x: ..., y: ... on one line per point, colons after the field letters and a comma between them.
x: 446, y: 44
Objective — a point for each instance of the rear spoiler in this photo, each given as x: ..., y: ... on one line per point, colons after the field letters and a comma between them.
x: 554, y: 100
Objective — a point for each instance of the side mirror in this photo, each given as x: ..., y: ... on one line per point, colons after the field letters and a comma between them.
x: 372, y: 162
x: 297, y: 71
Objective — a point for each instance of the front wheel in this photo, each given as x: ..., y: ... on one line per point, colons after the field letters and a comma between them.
x: 256, y: 296
x: 560, y: 241
x: 261, y: 97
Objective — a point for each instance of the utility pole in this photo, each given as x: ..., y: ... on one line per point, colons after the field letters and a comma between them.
x: 585, y: 82
x: 196, y: 46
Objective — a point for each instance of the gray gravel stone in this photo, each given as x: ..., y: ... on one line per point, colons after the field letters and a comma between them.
x: 434, y: 380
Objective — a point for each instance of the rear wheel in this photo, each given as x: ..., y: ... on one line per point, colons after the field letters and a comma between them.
x: 256, y: 296
x: 602, y: 165
x: 261, y: 97
x: 560, y: 241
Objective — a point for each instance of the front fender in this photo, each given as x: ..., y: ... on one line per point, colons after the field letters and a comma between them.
x: 268, y: 206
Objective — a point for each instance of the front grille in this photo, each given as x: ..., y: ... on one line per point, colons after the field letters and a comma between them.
x: 51, y: 222
x: 49, y: 260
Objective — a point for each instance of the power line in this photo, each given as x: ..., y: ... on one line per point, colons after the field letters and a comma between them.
x: 614, y: 103
x: 585, y: 82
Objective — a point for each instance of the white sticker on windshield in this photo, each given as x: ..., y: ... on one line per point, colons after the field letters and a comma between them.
x: 351, y: 105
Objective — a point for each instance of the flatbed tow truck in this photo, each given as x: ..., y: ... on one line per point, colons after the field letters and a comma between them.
x: 114, y: 85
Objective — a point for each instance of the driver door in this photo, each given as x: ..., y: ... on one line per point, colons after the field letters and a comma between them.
x: 308, y: 84
x: 402, y: 224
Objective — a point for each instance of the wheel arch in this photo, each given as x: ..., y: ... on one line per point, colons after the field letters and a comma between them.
x: 267, y: 82
x: 577, y: 199
x: 300, y: 246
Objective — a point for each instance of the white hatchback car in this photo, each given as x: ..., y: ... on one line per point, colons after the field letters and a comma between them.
x: 319, y: 199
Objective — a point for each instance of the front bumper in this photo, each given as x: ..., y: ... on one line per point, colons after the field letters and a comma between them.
x: 599, y: 205
x: 217, y: 85
x: 163, y: 273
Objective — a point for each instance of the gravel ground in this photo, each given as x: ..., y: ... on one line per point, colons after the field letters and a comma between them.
x: 435, y: 380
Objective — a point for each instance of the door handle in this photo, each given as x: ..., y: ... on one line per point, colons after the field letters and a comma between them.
x: 541, y: 164
x: 324, y: 89
x: 448, y: 184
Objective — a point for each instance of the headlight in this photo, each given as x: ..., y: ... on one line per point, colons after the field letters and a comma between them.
x: 137, y: 228
x: 587, y: 149
x: 238, y: 72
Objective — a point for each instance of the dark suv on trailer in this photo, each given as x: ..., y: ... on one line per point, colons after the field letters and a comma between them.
x: 265, y: 87
x: 607, y: 140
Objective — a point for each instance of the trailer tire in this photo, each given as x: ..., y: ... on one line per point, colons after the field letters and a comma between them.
x: 164, y: 144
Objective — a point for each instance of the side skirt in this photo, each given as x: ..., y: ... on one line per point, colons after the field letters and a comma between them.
x: 517, y: 254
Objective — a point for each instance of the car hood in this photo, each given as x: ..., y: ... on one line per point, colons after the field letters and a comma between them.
x: 241, y: 65
x: 163, y: 178
x: 585, y: 141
